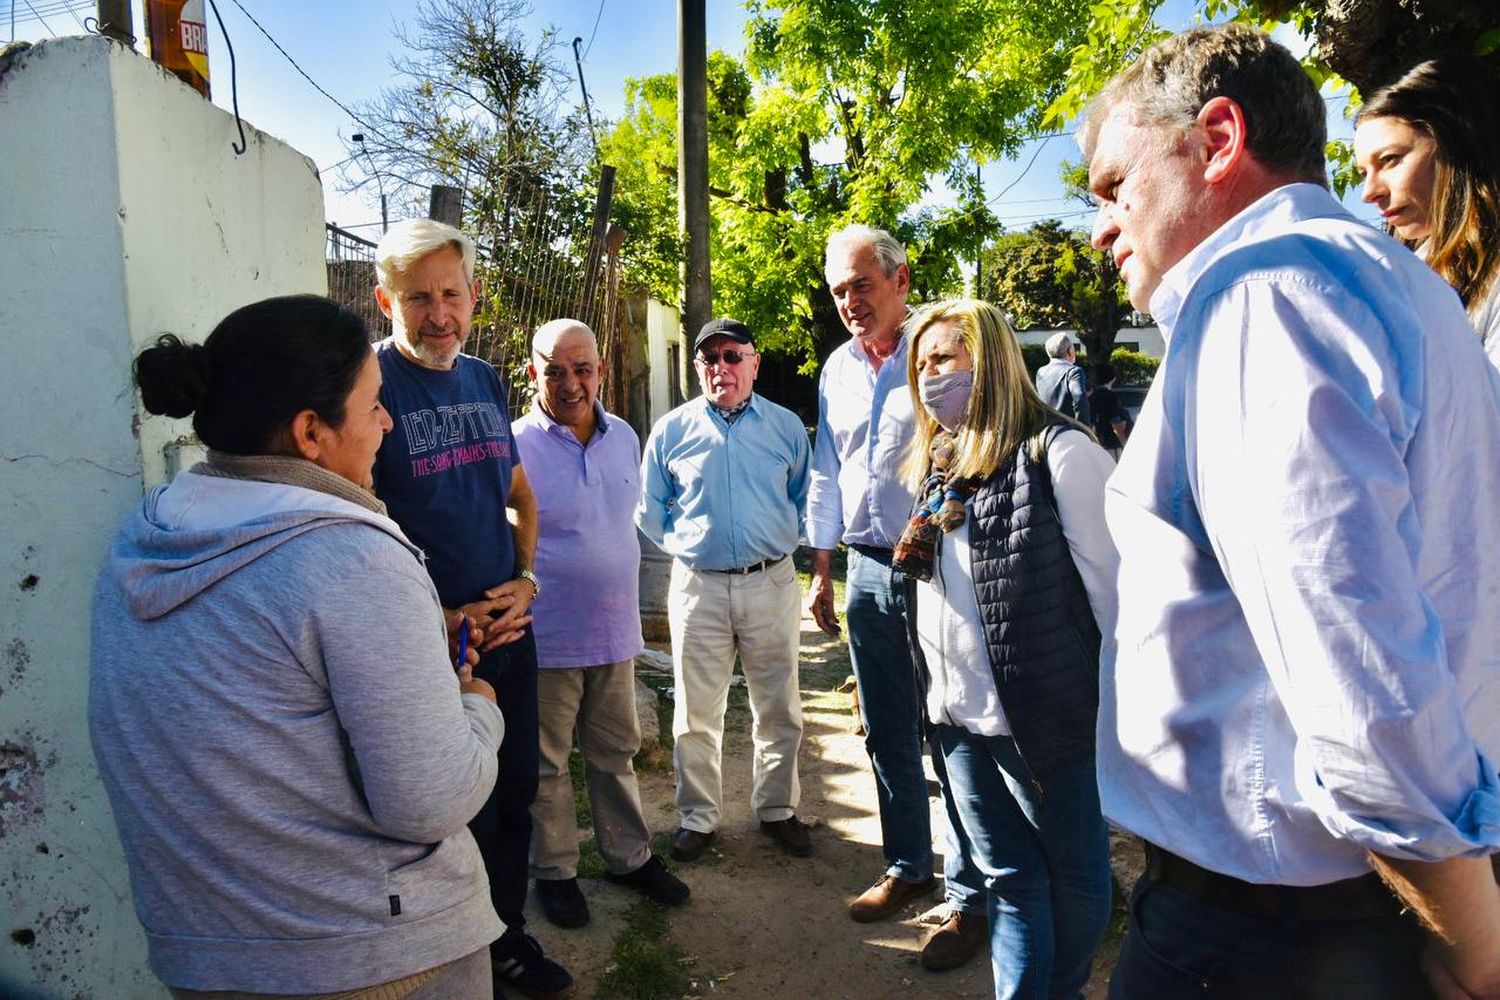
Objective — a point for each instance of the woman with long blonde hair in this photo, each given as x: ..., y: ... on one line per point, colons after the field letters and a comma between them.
x: 1010, y: 572
x: 1429, y: 149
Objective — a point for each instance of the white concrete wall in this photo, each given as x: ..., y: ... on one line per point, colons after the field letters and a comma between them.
x: 663, y: 328
x: 1148, y: 337
x: 125, y: 214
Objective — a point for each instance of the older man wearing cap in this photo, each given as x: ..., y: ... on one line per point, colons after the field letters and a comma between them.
x: 724, y: 481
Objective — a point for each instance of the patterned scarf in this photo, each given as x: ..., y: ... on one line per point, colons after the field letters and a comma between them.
x: 734, y: 412
x: 939, y: 508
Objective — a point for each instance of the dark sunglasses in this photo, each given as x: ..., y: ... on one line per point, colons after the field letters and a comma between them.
x: 729, y: 357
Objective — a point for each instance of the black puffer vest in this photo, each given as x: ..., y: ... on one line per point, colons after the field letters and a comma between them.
x: 1039, y: 628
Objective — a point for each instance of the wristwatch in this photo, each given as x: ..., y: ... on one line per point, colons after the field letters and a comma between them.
x: 530, y: 577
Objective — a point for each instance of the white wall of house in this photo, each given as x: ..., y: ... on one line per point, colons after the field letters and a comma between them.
x: 663, y: 332
x: 126, y: 214
x: 1146, y: 339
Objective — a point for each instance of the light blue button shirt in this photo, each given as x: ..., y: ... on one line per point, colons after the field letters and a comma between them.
x: 1306, y: 663
x: 718, y: 496
x: 865, y: 426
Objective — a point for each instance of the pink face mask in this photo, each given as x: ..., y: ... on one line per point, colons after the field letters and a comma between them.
x: 946, y: 397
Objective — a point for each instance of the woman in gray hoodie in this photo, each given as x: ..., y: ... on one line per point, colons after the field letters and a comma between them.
x: 289, y: 756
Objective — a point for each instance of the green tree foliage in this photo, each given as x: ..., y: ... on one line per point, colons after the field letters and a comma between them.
x: 1050, y: 277
x: 478, y: 106
x: 844, y: 111
x: 482, y: 107
x: 1361, y: 44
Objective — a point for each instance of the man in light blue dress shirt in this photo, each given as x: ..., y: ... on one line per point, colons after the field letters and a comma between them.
x: 1300, y: 707
x: 723, y: 484
x: 858, y: 497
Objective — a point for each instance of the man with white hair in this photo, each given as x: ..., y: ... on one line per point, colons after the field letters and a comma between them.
x: 585, y: 473
x: 1062, y: 383
x: 723, y: 481
x: 451, y: 477
x: 1300, y: 707
x: 857, y: 497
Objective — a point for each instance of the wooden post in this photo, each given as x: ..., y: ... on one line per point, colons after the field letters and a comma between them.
x: 114, y: 21
x: 614, y: 332
x: 692, y: 168
x: 586, y: 306
x: 446, y: 205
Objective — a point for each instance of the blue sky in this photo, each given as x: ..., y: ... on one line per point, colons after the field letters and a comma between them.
x: 346, y: 45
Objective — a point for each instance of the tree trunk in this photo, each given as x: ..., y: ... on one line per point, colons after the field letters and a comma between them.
x: 1372, y: 42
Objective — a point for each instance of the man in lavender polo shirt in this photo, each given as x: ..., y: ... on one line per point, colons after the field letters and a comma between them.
x: 587, y: 622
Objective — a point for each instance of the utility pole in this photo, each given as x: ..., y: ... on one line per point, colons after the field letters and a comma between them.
x: 114, y: 20
x: 692, y: 166
x: 446, y: 204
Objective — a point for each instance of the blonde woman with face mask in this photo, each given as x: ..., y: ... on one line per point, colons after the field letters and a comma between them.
x: 1010, y: 571
x: 1428, y: 147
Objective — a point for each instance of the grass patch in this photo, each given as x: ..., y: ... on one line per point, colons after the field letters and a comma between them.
x: 583, y: 815
x: 838, y: 573
x: 645, y: 964
x: 590, y: 861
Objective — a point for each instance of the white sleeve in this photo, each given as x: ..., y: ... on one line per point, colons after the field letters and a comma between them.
x: 1079, y: 470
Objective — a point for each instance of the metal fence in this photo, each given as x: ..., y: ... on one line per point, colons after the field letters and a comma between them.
x: 543, y: 252
x: 351, y: 279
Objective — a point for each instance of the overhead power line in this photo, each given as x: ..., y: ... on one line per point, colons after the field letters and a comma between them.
x: 316, y: 86
x: 44, y: 8
x: 590, y: 46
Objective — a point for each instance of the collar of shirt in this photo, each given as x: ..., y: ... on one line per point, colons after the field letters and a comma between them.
x: 734, y: 412
x: 601, y: 421
x: 857, y: 348
x: 1286, y: 204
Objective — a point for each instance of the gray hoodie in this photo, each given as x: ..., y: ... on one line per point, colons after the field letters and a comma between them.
x: 289, y: 760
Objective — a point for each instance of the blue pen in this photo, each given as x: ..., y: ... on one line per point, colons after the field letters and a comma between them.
x: 463, y: 642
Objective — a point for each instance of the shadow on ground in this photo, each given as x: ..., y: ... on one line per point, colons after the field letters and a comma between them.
x: 761, y: 924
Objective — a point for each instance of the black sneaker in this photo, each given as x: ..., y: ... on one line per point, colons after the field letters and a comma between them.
x: 562, y: 902
x: 519, y: 965
x: 653, y: 881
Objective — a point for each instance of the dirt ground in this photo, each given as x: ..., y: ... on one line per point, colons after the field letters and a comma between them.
x: 760, y: 923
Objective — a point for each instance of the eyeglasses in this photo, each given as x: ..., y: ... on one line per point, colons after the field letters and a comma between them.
x: 707, y: 358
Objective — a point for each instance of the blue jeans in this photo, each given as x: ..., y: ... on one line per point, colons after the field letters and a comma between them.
x: 1179, y: 946
x: 890, y: 706
x: 1045, y: 859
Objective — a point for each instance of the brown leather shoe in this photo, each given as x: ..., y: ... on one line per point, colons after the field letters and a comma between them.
x: 791, y: 833
x: 689, y: 845
x: 886, y: 896
x: 960, y: 938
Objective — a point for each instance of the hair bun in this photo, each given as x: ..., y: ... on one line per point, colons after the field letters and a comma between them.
x: 173, y: 376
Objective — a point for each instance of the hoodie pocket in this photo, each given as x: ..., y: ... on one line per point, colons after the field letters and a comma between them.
x: 449, y: 873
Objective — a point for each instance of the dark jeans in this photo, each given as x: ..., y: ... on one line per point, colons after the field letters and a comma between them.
x: 1045, y: 858
x: 503, y: 826
x: 890, y: 706
x: 1179, y: 946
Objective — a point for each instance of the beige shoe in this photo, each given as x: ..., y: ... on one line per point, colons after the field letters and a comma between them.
x: 886, y: 896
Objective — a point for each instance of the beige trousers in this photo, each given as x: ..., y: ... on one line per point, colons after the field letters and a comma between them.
x: 713, y: 616
x: 468, y: 978
x: 598, y: 703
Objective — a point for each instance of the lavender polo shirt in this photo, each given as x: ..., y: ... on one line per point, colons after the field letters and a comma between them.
x: 587, y: 556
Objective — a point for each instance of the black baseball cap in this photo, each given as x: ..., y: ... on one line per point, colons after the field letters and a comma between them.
x: 731, y: 328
